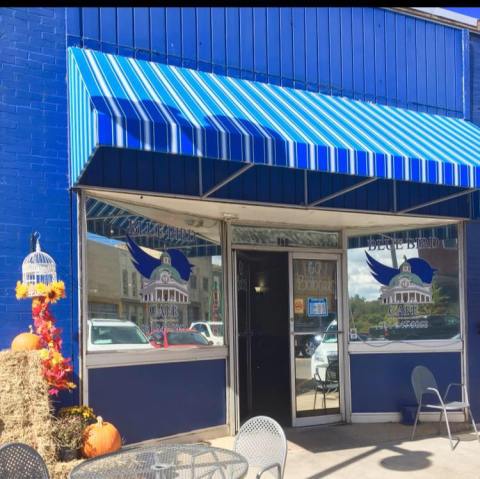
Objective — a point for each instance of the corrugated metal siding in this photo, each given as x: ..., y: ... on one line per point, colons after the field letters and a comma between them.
x: 475, y: 77
x: 179, y: 175
x: 370, y: 54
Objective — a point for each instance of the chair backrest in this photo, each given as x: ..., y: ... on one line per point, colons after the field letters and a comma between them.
x: 262, y: 442
x: 331, y: 373
x: 422, y: 378
x: 19, y: 460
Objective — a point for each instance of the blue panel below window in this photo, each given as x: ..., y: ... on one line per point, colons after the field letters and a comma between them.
x: 158, y: 400
x: 381, y: 382
x: 472, y: 240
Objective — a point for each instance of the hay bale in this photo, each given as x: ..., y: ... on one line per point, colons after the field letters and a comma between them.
x: 61, y: 470
x: 26, y: 413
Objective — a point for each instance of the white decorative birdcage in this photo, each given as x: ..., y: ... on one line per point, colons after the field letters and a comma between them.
x: 38, y: 267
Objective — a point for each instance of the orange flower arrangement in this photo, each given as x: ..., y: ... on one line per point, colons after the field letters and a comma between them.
x: 56, y: 369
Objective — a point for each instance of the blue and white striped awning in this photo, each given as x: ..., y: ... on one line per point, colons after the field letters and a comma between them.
x: 128, y: 103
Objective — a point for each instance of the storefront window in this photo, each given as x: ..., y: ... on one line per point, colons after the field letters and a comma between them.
x: 404, y: 285
x: 140, y: 265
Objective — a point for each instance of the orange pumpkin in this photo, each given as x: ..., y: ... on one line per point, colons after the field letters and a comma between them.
x: 26, y: 342
x: 100, y: 438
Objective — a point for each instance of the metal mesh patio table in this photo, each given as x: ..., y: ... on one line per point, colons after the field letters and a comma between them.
x: 173, y: 461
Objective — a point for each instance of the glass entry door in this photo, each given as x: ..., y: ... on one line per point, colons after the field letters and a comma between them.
x: 315, y: 339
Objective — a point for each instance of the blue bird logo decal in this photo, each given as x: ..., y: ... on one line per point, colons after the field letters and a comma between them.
x: 145, y: 264
x: 384, y: 274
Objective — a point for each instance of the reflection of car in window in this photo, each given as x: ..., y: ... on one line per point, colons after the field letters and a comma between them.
x: 326, y: 352
x: 115, y: 334
x: 306, y: 344
x: 212, y: 330
x: 178, y: 338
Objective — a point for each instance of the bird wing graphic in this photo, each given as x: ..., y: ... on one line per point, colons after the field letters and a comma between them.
x: 383, y: 274
x: 422, y: 269
x: 143, y: 262
x: 180, y: 263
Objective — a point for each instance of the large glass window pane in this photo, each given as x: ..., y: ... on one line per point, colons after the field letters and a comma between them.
x: 315, y: 311
x: 142, y: 270
x: 404, y: 285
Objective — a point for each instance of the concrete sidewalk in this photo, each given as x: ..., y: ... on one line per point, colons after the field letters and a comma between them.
x: 378, y: 451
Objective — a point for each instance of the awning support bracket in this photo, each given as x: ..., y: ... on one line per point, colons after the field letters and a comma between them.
x: 305, y: 187
x: 438, y: 200
x: 394, y: 193
x: 227, y: 180
x: 342, y: 192
x: 200, y: 177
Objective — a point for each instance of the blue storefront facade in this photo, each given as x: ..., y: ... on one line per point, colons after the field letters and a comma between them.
x: 180, y: 128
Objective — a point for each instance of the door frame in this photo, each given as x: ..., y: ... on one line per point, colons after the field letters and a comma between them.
x: 342, y: 350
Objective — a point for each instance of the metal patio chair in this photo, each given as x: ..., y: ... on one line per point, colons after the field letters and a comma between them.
x: 330, y: 385
x: 423, y: 382
x: 262, y: 442
x: 19, y: 460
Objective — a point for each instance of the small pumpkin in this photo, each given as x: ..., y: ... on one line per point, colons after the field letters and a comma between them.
x: 100, y: 438
x: 26, y: 342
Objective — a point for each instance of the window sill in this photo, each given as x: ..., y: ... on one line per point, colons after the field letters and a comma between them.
x: 111, y: 359
x: 417, y: 346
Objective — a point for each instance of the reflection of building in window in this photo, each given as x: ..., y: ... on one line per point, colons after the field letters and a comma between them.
x: 113, y: 279
x: 406, y: 287
x: 106, y: 263
x: 444, y: 259
x: 165, y: 285
x: 215, y: 308
x: 102, y: 310
x: 134, y: 284
x: 125, y: 282
x: 194, y: 312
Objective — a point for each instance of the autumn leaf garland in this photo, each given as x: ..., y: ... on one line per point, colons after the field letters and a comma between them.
x: 56, y: 369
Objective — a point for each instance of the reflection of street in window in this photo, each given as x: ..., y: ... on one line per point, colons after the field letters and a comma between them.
x: 418, y: 299
x: 166, y: 294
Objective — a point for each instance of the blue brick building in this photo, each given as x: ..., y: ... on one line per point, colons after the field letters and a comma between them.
x: 307, y: 135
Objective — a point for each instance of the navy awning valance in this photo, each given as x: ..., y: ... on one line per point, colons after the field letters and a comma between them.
x: 129, y: 103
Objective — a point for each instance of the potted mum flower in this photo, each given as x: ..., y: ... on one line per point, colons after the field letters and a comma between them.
x: 68, y: 436
x: 84, y: 412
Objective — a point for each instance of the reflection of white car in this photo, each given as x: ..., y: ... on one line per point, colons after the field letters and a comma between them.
x: 327, y: 351
x: 115, y: 334
x: 212, y: 330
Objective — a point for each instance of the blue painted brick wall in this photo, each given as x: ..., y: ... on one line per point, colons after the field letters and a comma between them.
x: 34, y: 192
